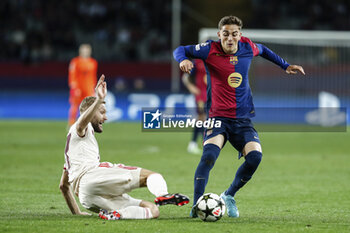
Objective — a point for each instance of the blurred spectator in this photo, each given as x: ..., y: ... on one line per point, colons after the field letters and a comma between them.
x: 120, y: 85
x: 139, y: 85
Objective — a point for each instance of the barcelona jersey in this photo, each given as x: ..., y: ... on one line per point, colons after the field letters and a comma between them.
x: 228, y: 90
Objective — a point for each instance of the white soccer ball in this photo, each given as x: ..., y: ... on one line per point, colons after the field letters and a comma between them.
x: 210, y: 207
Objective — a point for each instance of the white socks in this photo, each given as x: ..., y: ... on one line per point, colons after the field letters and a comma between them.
x: 157, y: 185
x: 135, y: 212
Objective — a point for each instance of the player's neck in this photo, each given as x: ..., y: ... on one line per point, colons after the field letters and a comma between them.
x: 232, y: 51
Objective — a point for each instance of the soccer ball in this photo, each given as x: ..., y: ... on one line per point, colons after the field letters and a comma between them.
x: 210, y: 207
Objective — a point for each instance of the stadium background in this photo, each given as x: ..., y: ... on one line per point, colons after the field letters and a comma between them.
x: 132, y: 41
x: 302, y: 184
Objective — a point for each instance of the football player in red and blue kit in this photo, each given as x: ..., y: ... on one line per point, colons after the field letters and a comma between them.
x: 229, y: 100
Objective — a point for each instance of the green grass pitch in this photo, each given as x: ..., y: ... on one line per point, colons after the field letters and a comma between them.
x: 302, y: 184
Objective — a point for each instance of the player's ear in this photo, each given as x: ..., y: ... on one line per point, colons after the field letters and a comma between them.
x: 219, y: 34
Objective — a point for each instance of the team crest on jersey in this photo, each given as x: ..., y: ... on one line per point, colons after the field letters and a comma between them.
x: 234, y: 79
x: 234, y: 60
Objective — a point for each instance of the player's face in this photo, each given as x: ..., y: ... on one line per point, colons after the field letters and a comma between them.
x: 230, y: 35
x: 85, y: 51
x: 99, y: 118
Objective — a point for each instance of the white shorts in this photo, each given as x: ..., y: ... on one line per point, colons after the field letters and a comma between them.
x: 105, y: 187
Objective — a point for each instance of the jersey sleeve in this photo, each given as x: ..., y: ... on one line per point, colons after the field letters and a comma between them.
x: 271, y: 56
x: 255, y: 48
x: 199, y: 51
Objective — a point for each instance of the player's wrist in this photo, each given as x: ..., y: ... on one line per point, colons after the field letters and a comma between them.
x: 184, y: 59
x: 100, y: 100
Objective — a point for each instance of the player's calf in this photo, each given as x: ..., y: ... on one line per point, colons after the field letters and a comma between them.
x: 245, y: 172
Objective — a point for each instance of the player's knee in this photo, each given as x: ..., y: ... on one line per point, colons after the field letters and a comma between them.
x: 254, y: 158
x: 144, y: 174
x: 155, y: 211
x: 210, y: 154
x: 150, y: 207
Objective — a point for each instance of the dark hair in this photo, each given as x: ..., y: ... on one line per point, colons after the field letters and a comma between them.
x: 229, y: 20
x: 86, y: 103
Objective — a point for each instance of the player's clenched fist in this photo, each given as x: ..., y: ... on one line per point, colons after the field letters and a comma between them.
x: 186, y: 66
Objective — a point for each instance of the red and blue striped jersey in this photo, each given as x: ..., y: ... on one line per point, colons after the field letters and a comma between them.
x: 228, y: 90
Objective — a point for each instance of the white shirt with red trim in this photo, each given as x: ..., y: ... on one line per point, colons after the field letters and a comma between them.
x: 81, y: 154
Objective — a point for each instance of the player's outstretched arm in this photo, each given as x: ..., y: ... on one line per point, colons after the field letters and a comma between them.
x: 293, y: 69
x: 86, y: 117
x: 273, y: 57
x: 68, y: 195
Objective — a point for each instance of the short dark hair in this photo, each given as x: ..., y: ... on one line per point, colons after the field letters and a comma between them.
x: 229, y: 20
x: 86, y: 103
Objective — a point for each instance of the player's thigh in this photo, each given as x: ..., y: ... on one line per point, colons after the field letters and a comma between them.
x: 112, y: 181
x: 218, y: 140
x: 217, y: 135
x: 251, y: 146
x: 95, y: 203
x: 243, y: 137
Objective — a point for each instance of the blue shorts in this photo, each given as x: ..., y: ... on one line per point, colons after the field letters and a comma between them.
x: 237, y: 131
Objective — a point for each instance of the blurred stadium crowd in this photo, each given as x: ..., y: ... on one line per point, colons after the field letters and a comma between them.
x: 35, y: 30
x: 298, y: 14
x: 136, y: 30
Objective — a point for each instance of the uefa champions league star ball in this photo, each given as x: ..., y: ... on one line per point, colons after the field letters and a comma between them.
x: 210, y: 207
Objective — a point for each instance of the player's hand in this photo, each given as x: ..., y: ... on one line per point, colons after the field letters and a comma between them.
x: 101, y: 88
x: 186, y: 66
x: 293, y: 69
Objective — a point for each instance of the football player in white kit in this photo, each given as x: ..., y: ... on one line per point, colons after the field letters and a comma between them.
x: 102, y: 187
